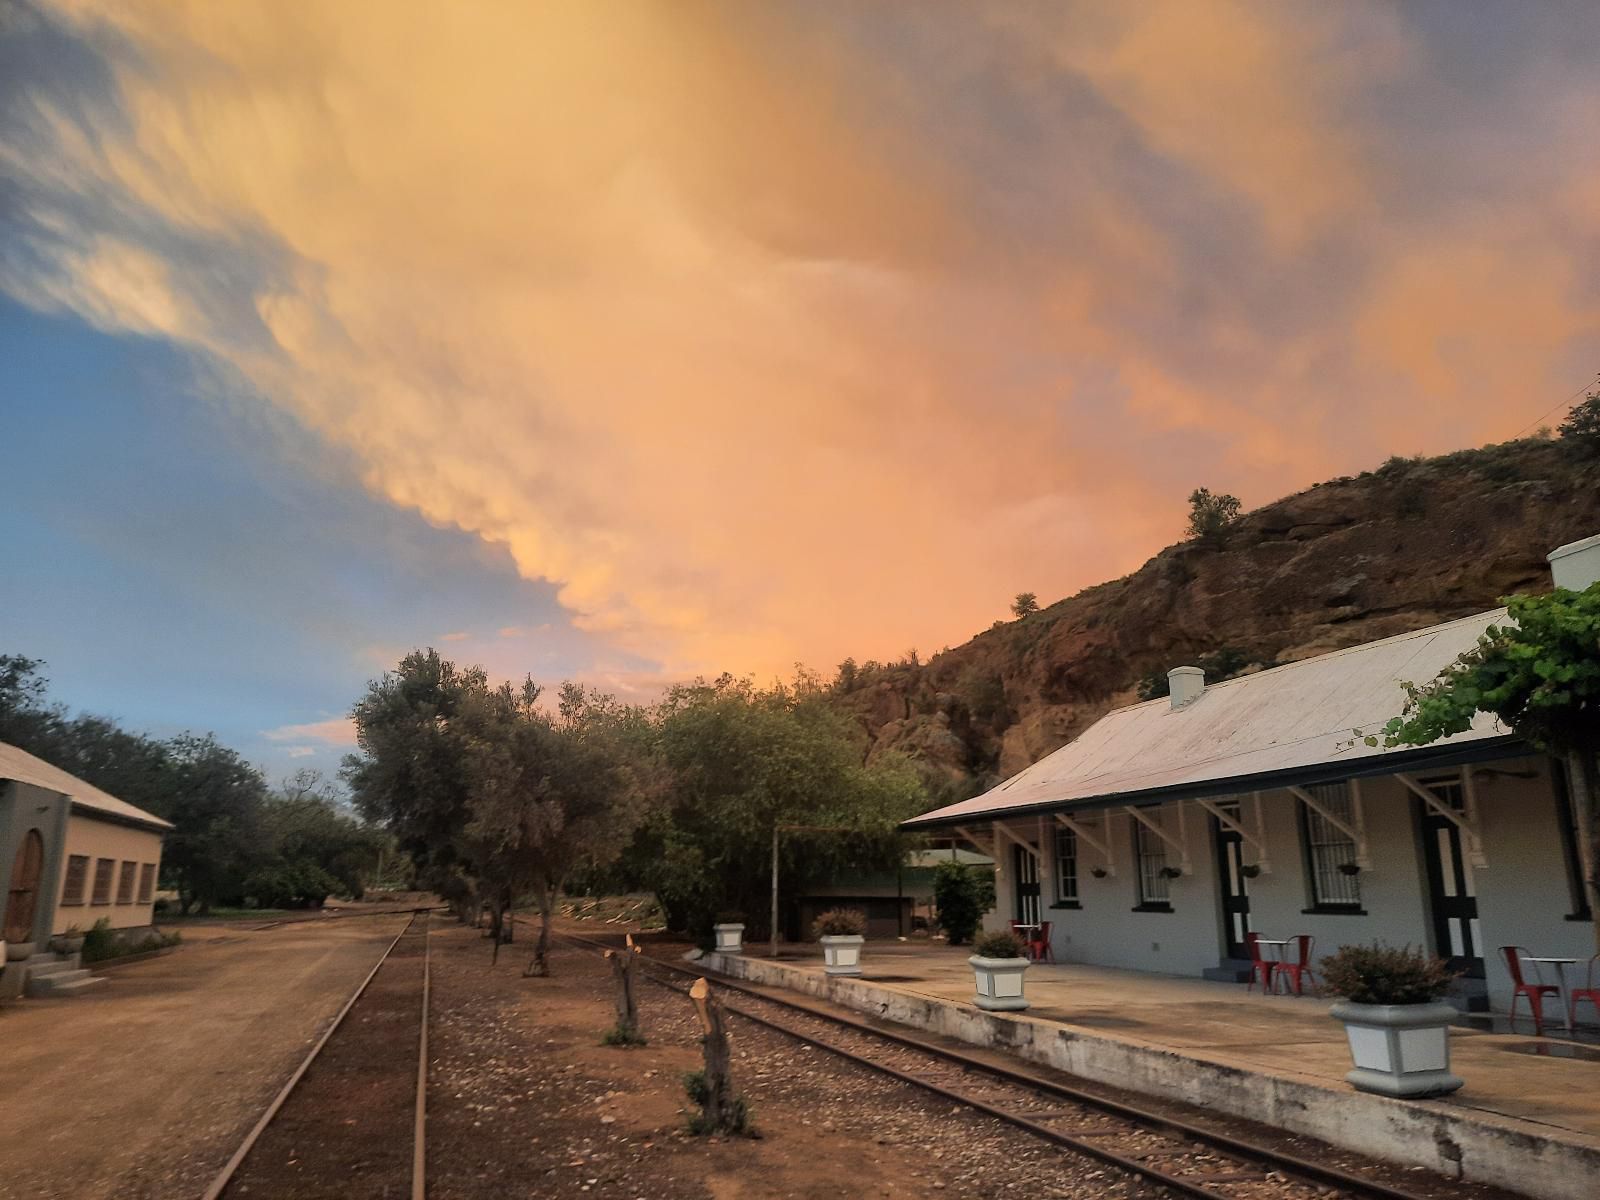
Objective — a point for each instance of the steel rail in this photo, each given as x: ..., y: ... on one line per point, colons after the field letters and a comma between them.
x: 419, y: 1125
x: 1247, y: 1153
x: 343, y: 916
x: 224, y: 1177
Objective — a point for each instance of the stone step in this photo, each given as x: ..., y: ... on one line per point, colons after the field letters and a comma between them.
x: 44, y: 970
x: 66, y: 983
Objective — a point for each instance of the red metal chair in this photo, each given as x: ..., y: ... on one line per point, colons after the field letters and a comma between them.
x: 1260, y: 968
x: 1039, y: 945
x: 1535, y: 992
x: 1300, y: 970
x: 1590, y: 990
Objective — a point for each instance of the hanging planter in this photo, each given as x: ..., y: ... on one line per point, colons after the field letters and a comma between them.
x: 1170, y: 873
x: 1349, y: 868
x: 1250, y: 870
x: 1098, y: 872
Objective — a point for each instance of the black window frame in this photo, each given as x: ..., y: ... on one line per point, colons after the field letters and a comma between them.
x: 1315, y: 903
x: 1153, y: 849
x: 1068, y: 837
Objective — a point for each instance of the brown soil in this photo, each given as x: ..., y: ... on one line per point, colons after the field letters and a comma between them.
x: 346, y: 1130
x: 525, y: 1101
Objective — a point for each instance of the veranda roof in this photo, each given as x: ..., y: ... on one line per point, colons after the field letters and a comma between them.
x: 28, y: 768
x: 1289, y: 725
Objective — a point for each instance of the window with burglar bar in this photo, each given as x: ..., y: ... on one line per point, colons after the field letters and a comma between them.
x: 1151, y: 853
x: 1066, y: 865
x: 1330, y: 851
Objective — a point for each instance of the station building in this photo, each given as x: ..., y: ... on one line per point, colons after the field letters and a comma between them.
x: 70, y: 854
x: 1171, y: 828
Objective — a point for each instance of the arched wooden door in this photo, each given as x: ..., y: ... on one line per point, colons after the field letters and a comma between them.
x: 23, y: 900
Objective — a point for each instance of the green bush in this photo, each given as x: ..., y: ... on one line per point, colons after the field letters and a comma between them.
x: 1383, y: 974
x: 840, y: 922
x: 694, y: 1083
x: 961, y: 895
x: 999, y: 945
x: 100, y: 943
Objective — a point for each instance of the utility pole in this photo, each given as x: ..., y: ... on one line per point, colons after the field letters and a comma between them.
x: 773, y: 951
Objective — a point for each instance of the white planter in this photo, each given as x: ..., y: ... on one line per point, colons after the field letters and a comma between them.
x: 999, y: 982
x: 19, y: 951
x: 730, y: 938
x: 1399, y: 1049
x: 841, y: 954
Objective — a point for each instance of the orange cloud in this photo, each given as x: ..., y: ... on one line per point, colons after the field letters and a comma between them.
x: 779, y: 334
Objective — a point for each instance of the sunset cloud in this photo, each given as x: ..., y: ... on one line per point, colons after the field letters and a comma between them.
x: 781, y: 333
x: 339, y: 731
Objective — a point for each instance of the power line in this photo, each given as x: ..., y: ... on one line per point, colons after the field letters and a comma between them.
x: 1558, y: 404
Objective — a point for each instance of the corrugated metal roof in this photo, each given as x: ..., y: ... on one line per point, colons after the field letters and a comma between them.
x: 1295, y: 717
x: 28, y: 768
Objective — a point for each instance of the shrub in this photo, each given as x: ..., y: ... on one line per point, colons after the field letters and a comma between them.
x: 840, y: 922
x: 961, y: 895
x: 1580, y: 432
x: 1383, y: 974
x: 99, y: 943
x: 999, y: 945
x: 1210, y: 517
x: 730, y: 916
x: 621, y: 1035
x: 694, y: 1083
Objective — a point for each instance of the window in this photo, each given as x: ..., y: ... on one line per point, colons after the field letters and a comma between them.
x: 1150, y: 853
x: 103, y: 868
x: 1330, y: 851
x: 77, y: 879
x: 147, y: 882
x: 125, y: 883
x: 1066, y: 866
x: 1570, y: 834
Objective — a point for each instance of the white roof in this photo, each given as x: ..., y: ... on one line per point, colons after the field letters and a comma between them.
x: 27, y: 768
x: 1265, y: 727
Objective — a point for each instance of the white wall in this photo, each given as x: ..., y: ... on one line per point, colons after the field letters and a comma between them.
x: 1523, y: 897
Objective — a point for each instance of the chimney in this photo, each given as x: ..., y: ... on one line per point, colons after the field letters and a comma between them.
x: 1186, y: 683
x: 1577, y: 564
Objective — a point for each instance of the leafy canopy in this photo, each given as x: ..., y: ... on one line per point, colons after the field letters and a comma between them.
x: 1539, y: 674
x: 1025, y: 605
x: 1210, y: 517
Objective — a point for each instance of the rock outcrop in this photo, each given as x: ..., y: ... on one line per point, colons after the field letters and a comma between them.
x: 1412, y: 544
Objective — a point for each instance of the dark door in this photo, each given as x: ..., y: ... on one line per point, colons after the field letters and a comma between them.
x: 1235, y: 887
x: 23, y: 899
x: 1452, y: 897
x: 1027, y: 876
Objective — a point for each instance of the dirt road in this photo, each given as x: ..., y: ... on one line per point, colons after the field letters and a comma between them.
x: 141, y: 1090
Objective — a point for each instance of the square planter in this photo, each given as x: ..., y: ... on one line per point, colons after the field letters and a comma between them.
x: 841, y: 954
x: 999, y: 983
x: 1399, y: 1049
x: 729, y: 938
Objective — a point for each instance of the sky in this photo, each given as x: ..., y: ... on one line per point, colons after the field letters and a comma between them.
x: 629, y: 341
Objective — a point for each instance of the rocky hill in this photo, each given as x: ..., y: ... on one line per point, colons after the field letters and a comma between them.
x: 1414, y: 543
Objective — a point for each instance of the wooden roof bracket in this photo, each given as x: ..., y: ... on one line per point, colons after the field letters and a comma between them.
x: 1107, y: 848
x: 1255, y: 838
x: 1466, y: 821
x: 1355, y: 829
x: 1179, y: 843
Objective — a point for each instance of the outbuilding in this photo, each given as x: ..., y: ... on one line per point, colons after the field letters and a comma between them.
x: 1172, y: 828
x: 70, y: 855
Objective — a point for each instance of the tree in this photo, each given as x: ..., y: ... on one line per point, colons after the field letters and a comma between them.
x: 1210, y: 517
x: 214, y: 799
x: 1581, y: 429
x: 411, y: 772
x: 961, y: 895
x: 742, y: 760
x: 313, y: 848
x: 1025, y: 605
x: 550, y: 794
x: 1540, y: 676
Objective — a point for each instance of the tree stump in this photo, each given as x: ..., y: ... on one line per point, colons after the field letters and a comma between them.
x: 627, y: 1030
x: 721, y: 1110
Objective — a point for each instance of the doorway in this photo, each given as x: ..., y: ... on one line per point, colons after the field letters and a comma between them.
x: 22, y: 899
x: 1452, y: 894
x: 1026, y: 872
x: 1234, y: 886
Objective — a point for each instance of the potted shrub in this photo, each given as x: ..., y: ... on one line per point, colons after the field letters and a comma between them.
x: 1398, y: 1028
x: 729, y: 933
x: 998, y: 964
x: 70, y: 942
x: 840, y: 931
x: 19, y: 951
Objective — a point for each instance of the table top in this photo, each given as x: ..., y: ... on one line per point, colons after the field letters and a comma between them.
x: 1027, y: 925
x: 1567, y: 961
x: 1261, y: 941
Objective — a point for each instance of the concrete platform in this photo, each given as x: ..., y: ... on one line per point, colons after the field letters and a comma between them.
x: 1528, y: 1118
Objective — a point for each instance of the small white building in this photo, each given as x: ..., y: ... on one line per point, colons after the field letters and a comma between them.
x: 1171, y: 828
x: 70, y: 855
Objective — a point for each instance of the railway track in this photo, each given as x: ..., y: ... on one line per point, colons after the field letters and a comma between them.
x: 354, y: 1109
x: 1185, y: 1159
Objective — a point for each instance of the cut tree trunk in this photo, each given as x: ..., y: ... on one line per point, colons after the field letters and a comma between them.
x: 627, y: 1006
x: 541, y: 954
x: 1584, y: 775
x: 721, y: 1106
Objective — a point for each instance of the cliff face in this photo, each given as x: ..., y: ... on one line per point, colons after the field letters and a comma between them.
x: 1412, y: 544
